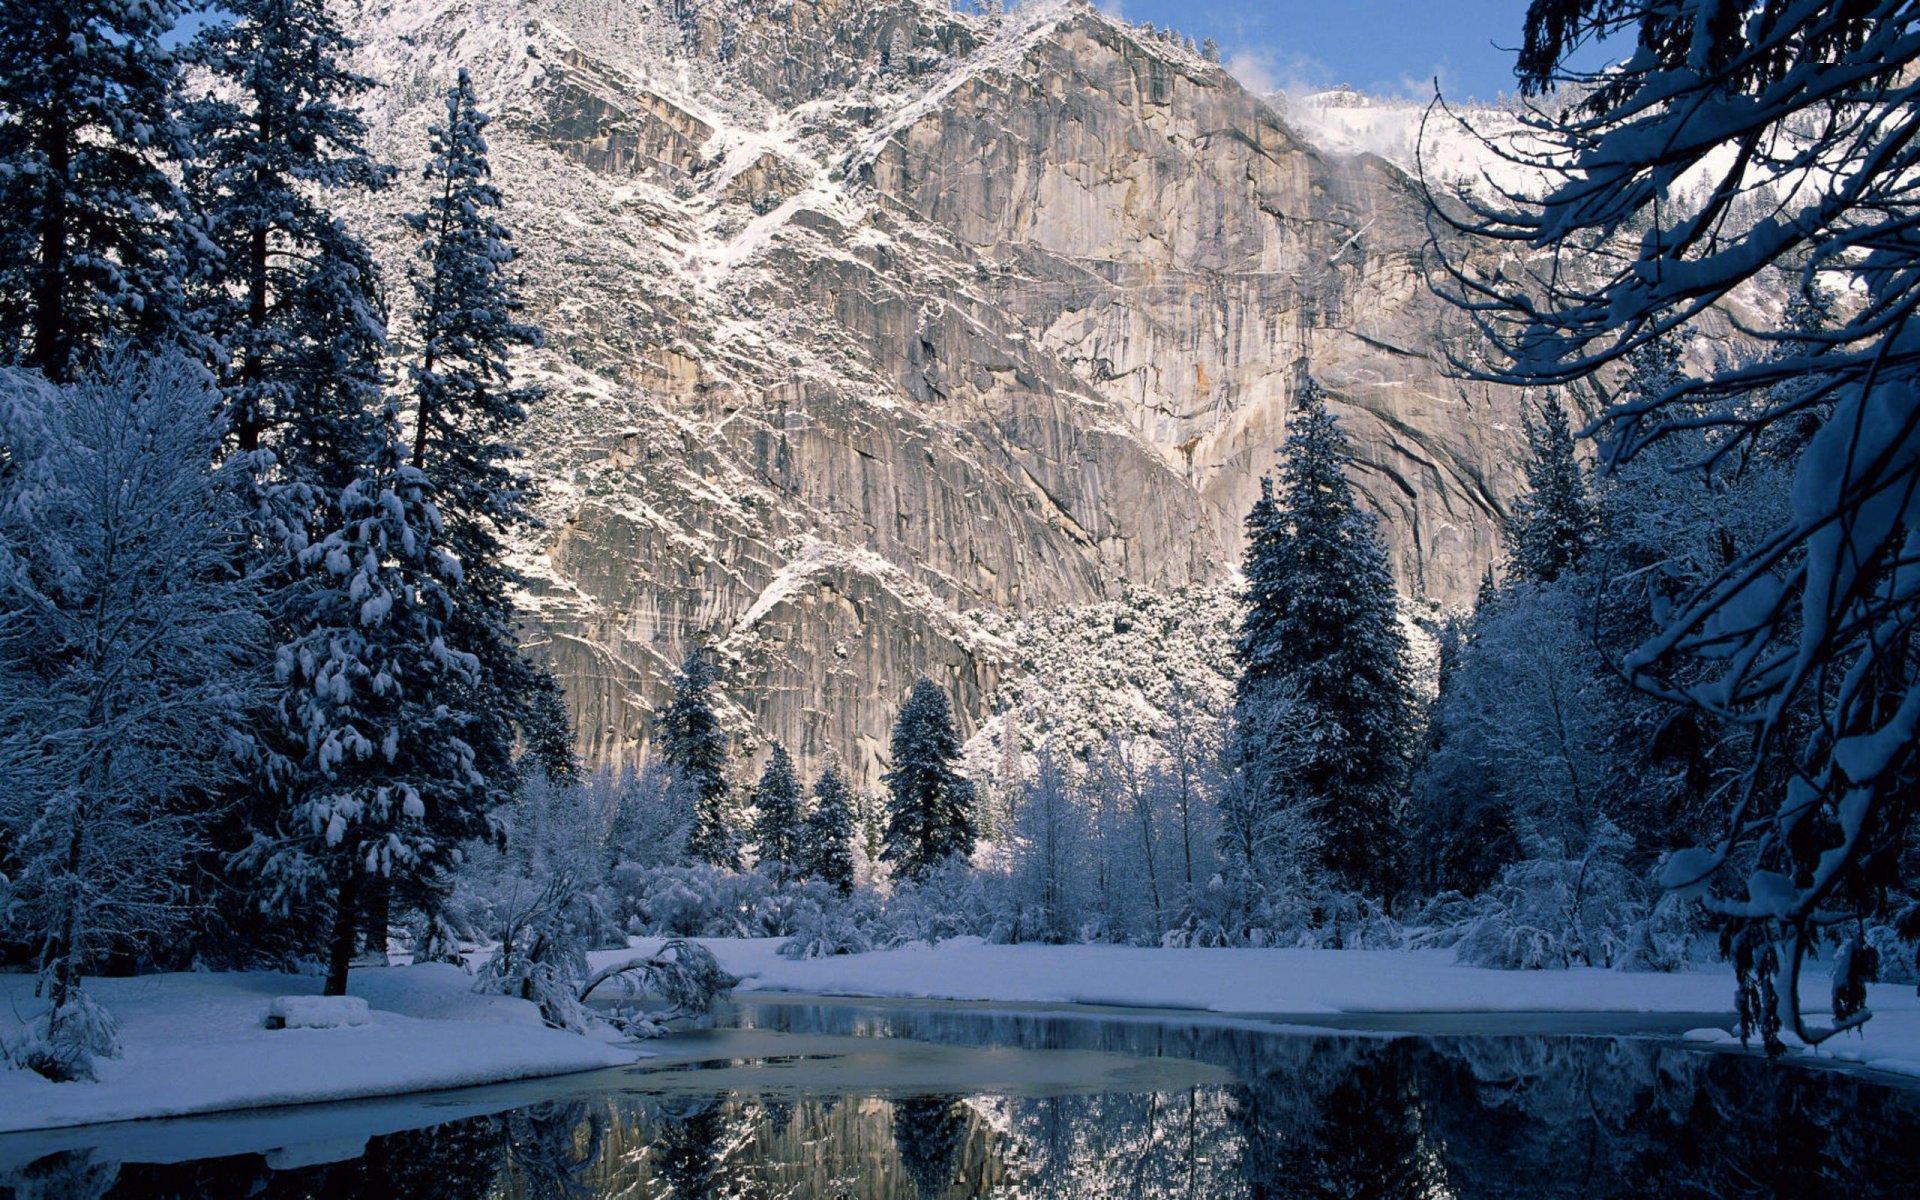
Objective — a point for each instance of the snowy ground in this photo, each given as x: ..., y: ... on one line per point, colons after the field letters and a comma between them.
x: 197, y: 1044
x: 1298, y: 983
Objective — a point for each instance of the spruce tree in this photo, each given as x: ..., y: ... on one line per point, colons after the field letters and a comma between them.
x: 1321, y: 636
x: 776, y: 825
x: 694, y: 748
x: 90, y: 243
x: 931, y: 811
x: 1552, y: 526
x: 298, y: 305
x: 378, y: 779
x: 370, y: 774
x: 826, y: 841
x: 467, y: 408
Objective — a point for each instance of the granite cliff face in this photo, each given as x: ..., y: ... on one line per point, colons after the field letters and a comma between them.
x: 871, y: 324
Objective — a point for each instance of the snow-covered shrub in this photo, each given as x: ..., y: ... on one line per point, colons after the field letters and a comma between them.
x: 1899, y: 958
x: 853, y: 925
x: 1440, y: 922
x: 1347, y: 921
x: 951, y: 900
x: 541, y: 933
x: 706, y: 901
x: 539, y: 902
x: 1552, y: 912
x: 1670, y: 937
x: 688, y: 977
x: 684, y: 974
x: 62, y: 1043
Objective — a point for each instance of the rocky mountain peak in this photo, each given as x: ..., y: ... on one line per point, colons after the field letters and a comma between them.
x: 874, y: 325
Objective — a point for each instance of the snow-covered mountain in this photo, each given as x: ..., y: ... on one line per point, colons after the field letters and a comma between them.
x: 871, y: 323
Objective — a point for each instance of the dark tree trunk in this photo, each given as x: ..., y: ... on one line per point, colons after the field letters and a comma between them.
x: 52, y: 348
x: 379, y: 911
x: 346, y: 932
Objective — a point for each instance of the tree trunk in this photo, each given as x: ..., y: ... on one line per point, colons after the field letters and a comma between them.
x: 251, y: 421
x: 379, y: 912
x: 51, y: 337
x: 346, y: 931
x: 66, y: 958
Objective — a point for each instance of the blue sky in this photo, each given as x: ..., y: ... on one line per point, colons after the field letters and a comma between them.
x: 1393, y: 47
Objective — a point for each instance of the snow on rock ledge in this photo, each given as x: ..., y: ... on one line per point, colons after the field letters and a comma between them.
x: 317, y: 1012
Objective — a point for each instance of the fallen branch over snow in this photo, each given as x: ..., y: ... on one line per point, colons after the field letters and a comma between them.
x: 683, y: 973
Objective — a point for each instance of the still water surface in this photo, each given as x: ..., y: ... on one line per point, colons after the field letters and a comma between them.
x: 858, y: 1101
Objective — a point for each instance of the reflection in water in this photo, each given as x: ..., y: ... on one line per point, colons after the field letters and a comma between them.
x: 1311, y: 1116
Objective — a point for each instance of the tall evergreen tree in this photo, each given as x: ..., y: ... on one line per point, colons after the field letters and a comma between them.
x: 776, y: 825
x: 826, y: 840
x: 467, y: 408
x: 379, y: 782
x: 931, y: 809
x: 695, y: 750
x: 1322, y: 634
x: 91, y: 243
x: 298, y: 302
x: 372, y: 775
x: 1552, y: 526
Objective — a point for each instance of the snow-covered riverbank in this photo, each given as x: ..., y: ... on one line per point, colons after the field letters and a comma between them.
x: 1291, y: 983
x: 197, y: 1043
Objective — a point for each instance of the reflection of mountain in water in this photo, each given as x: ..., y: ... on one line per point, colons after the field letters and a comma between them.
x: 1311, y: 1117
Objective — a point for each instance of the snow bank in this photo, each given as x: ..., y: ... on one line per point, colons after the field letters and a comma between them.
x: 198, y: 1043
x: 1298, y: 983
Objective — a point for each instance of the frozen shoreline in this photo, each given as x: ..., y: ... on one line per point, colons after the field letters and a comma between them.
x: 1374, y: 985
x: 197, y: 1043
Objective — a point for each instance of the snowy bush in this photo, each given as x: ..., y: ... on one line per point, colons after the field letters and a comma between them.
x: 1553, y: 912
x: 541, y: 932
x: 62, y: 1043
x: 1670, y: 937
x: 684, y: 974
x: 1899, y: 958
x: 706, y: 901
x: 951, y: 900
x: 854, y: 925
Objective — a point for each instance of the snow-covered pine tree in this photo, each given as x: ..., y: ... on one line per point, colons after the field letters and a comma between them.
x: 92, y: 243
x: 777, y: 821
x: 1552, y: 526
x: 1803, y: 635
x: 299, y: 319
x: 129, y: 652
x: 826, y: 841
x: 694, y: 747
x: 467, y: 408
x: 378, y: 780
x: 546, y: 731
x: 1322, y: 630
x: 297, y: 304
x: 930, y: 816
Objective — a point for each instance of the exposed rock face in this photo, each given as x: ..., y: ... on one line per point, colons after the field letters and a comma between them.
x: 871, y: 322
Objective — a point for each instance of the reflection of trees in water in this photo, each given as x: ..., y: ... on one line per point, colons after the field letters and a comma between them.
x: 1595, y: 1118
x: 690, y: 1144
x: 930, y: 1132
x: 1584, y: 1119
x: 1332, y: 1118
x: 553, y: 1148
